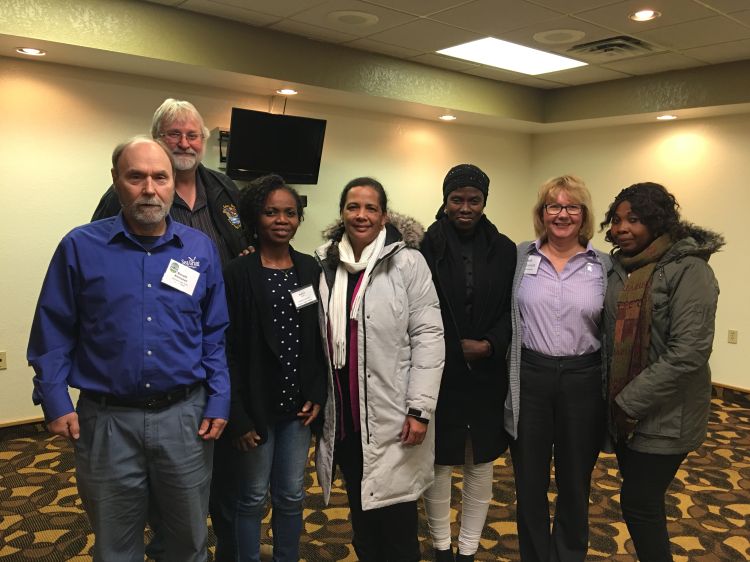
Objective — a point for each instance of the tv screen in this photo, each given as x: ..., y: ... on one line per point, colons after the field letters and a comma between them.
x: 264, y: 143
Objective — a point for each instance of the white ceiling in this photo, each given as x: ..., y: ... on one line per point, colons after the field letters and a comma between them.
x: 690, y: 33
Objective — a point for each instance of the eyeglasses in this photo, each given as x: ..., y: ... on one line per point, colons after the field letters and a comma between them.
x: 556, y: 209
x: 176, y: 136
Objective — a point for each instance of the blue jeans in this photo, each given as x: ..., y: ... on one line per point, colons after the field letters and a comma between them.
x: 279, y: 464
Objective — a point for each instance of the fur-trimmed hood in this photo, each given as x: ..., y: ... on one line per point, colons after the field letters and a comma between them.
x: 700, y: 242
x: 401, y: 231
x: 410, y: 230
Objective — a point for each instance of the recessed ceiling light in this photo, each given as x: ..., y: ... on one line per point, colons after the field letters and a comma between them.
x: 510, y: 56
x: 644, y: 15
x: 287, y: 92
x: 31, y: 51
x: 354, y: 17
x: 666, y: 117
x: 559, y: 36
x: 447, y: 117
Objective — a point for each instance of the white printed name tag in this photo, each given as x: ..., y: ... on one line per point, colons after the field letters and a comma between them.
x: 304, y: 296
x: 181, y: 277
x: 532, y: 265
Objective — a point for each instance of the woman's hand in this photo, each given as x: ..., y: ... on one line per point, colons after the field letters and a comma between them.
x: 623, y: 422
x: 476, y: 349
x: 413, y: 431
x: 308, y: 413
x: 246, y: 442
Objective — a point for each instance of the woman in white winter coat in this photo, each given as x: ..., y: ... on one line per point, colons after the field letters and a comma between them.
x: 386, y: 350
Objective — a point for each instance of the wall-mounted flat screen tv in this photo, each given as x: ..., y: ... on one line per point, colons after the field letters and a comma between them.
x: 263, y: 143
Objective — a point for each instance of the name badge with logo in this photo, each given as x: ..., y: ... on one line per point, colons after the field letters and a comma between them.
x: 532, y: 265
x: 304, y: 296
x: 180, y: 277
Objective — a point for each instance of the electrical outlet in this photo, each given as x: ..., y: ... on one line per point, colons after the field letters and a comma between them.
x: 3, y: 362
x: 732, y: 336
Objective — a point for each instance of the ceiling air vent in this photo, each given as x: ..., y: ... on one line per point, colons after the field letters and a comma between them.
x: 612, y: 49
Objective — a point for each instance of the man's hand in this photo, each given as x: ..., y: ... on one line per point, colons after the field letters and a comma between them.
x: 247, y: 251
x: 65, y: 426
x: 309, y: 412
x: 413, y: 431
x: 248, y: 441
x: 211, y: 428
x: 476, y: 349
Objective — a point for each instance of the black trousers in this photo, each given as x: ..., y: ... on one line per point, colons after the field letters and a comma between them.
x: 645, y: 479
x: 562, y: 410
x: 386, y: 534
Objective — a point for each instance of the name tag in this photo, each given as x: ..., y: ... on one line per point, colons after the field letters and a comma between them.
x: 304, y: 296
x: 180, y: 277
x: 532, y: 265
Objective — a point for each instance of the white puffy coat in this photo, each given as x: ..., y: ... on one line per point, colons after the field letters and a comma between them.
x: 401, y: 353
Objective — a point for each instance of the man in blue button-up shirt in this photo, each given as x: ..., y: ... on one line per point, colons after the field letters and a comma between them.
x: 132, y: 312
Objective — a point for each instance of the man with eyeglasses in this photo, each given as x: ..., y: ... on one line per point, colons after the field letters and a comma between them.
x: 204, y: 199
x: 207, y: 201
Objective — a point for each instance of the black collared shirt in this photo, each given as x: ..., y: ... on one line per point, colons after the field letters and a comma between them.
x: 199, y: 217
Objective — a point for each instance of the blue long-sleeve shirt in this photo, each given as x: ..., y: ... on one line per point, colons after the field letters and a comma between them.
x: 105, y: 322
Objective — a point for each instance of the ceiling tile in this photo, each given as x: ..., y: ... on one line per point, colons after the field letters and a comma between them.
x: 573, y: 6
x: 229, y: 12
x: 652, y: 64
x: 418, y: 7
x: 616, y: 17
x: 281, y: 8
x: 444, y: 62
x: 312, y: 31
x: 724, y: 52
x: 727, y: 6
x: 493, y: 17
x: 743, y: 16
x: 697, y: 33
x: 583, y: 75
x: 368, y: 44
x: 525, y: 36
x: 425, y: 36
x: 166, y: 2
x: 320, y: 16
x: 512, y: 77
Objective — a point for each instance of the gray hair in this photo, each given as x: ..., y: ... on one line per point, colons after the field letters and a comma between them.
x: 120, y: 148
x: 171, y: 110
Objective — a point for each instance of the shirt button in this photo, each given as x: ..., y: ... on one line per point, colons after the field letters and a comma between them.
x: 148, y: 385
x: 148, y: 352
x: 148, y: 285
x: 148, y: 318
x: 148, y: 253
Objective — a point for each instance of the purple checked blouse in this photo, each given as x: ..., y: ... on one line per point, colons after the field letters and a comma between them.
x: 561, y: 312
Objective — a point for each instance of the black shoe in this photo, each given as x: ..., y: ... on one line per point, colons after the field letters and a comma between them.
x: 444, y: 555
x: 464, y: 558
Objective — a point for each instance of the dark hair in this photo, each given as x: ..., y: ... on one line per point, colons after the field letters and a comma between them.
x: 656, y: 208
x: 253, y: 200
x: 367, y: 182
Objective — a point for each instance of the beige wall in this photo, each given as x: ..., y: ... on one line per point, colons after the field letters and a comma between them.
x: 705, y: 164
x: 59, y: 125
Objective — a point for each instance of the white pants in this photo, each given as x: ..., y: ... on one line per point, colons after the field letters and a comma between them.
x: 475, y: 501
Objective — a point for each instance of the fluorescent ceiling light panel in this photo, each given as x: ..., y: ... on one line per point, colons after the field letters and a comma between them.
x: 509, y: 56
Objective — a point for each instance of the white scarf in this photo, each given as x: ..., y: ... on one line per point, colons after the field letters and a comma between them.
x: 337, y: 312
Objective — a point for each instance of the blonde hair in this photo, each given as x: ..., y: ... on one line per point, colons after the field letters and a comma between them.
x: 576, y: 190
x: 172, y: 110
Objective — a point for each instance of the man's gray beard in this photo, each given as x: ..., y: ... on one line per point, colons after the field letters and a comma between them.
x: 150, y: 217
x: 186, y: 162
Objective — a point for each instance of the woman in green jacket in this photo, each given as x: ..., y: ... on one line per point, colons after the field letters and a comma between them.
x: 660, y: 308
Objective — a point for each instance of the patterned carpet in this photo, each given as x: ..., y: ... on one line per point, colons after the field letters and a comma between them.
x: 708, y: 505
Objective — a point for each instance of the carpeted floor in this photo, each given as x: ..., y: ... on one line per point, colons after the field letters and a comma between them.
x: 708, y: 504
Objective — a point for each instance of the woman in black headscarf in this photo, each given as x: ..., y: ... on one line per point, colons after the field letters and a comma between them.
x: 472, y: 267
